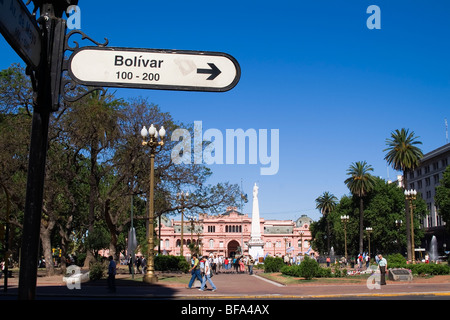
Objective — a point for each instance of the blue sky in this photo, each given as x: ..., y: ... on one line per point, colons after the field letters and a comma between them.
x: 312, y: 69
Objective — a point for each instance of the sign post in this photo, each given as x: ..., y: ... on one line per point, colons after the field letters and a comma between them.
x: 21, y: 31
x: 154, y: 69
x: 42, y: 48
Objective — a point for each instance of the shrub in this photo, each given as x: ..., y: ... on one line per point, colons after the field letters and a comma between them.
x: 324, y: 273
x: 96, y: 271
x: 272, y: 264
x: 396, y: 261
x: 293, y: 271
x: 430, y: 269
x: 171, y: 263
x: 309, y: 268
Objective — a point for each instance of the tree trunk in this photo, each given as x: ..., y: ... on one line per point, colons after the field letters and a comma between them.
x: 93, y: 199
x: 47, y: 248
x: 112, y: 231
x: 361, y: 224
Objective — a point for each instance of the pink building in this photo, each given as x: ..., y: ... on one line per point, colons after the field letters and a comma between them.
x: 224, y: 234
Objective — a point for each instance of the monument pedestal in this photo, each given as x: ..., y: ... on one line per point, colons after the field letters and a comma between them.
x: 256, y: 248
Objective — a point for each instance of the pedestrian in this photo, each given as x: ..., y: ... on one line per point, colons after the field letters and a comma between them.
x: 195, y: 271
x: 138, y: 263
x: 382, y: 263
x: 215, y: 264
x: 250, y: 265
x: 207, y: 275
x: 130, y: 264
x: 111, y: 275
x: 328, y: 261
x: 225, y: 263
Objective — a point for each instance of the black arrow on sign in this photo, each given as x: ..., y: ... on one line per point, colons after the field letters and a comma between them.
x: 214, y: 71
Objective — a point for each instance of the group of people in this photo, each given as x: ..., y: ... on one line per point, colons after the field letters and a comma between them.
x: 235, y: 264
x: 203, y: 268
x: 139, y: 262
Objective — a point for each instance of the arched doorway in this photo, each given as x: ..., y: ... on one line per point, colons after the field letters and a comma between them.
x: 232, y: 248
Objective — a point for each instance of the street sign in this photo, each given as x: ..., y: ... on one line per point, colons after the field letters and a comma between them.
x: 21, y: 31
x: 154, y: 69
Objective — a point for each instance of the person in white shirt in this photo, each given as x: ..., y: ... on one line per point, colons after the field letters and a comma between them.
x: 207, y: 275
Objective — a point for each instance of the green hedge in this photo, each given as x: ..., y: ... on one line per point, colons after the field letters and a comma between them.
x: 273, y: 264
x: 171, y: 263
x: 430, y: 269
x: 308, y: 269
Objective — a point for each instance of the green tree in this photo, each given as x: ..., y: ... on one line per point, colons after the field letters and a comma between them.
x: 442, y: 197
x: 404, y: 155
x: 326, y: 203
x: 385, y: 204
x: 359, y: 183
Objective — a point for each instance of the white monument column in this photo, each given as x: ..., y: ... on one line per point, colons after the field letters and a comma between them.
x: 255, y: 245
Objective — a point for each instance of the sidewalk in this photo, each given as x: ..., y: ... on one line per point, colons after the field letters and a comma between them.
x: 231, y: 286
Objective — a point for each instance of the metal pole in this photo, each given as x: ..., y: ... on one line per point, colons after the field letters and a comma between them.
x: 150, y: 276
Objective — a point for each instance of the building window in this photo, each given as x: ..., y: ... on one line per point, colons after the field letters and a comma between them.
x: 233, y: 228
x: 436, y: 178
x: 211, y: 228
x: 167, y: 245
x: 211, y: 243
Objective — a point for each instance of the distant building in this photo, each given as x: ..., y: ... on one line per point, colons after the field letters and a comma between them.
x: 425, y: 179
x: 225, y: 234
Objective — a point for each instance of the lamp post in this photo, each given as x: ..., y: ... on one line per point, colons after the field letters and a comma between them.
x: 345, y: 219
x: 302, y: 232
x: 182, y: 197
x: 398, y: 224
x: 151, y: 140
x: 369, y: 231
x: 285, y: 245
x: 410, y: 196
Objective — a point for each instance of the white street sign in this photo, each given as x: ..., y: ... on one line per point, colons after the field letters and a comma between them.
x: 154, y: 69
x: 21, y: 31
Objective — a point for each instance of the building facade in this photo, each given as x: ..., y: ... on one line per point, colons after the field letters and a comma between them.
x: 229, y: 233
x: 424, y: 179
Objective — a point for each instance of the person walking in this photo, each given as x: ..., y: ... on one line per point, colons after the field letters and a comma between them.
x: 111, y: 275
x: 195, y: 271
x: 207, y: 275
x: 382, y: 263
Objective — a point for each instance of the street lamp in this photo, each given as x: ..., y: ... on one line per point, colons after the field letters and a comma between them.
x: 369, y: 231
x: 285, y: 245
x: 398, y: 224
x: 345, y: 219
x: 182, y: 197
x: 302, y: 232
x: 151, y: 140
x: 410, y: 196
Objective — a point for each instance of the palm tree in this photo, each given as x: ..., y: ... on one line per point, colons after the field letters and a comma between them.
x: 359, y: 184
x: 403, y: 155
x: 326, y: 203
